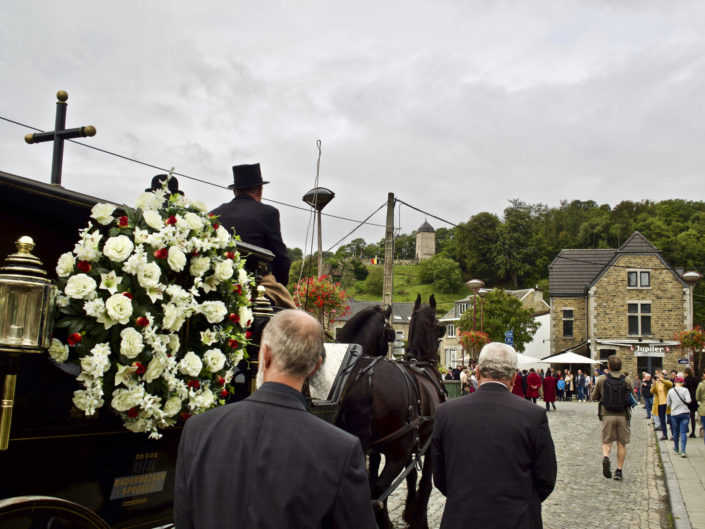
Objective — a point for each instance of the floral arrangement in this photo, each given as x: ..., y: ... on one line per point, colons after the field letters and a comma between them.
x: 155, y: 301
x: 693, y: 339
x: 322, y: 298
x: 473, y: 341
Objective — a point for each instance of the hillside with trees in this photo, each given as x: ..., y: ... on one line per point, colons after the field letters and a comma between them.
x: 514, y: 250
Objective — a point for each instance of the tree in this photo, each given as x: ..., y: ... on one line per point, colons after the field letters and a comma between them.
x: 502, y: 312
x: 375, y: 281
x: 295, y: 254
x: 444, y: 273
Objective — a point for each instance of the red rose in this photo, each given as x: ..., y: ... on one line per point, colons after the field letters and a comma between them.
x: 221, y: 381
x: 127, y: 295
x: 185, y: 415
x: 234, y: 317
x: 195, y: 384
x: 75, y: 338
x: 248, y: 334
x: 230, y: 255
x: 141, y: 368
x: 195, y: 253
x: 224, y: 393
x: 122, y: 222
x: 237, y: 289
x: 142, y: 321
x: 233, y: 343
x: 162, y: 253
x: 171, y: 220
x: 84, y: 266
x: 132, y: 412
x: 216, y: 226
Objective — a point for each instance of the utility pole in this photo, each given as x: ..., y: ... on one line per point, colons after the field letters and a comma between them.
x: 389, y: 253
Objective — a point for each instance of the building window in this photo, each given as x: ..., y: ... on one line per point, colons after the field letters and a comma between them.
x: 450, y: 329
x: 639, y: 317
x: 451, y: 358
x: 638, y: 279
x: 460, y: 308
x: 567, y: 323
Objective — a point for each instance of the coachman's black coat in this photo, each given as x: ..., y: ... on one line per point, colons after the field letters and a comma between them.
x: 257, y: 223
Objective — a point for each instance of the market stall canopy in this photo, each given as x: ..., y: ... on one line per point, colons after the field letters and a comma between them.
x: 569, y: 358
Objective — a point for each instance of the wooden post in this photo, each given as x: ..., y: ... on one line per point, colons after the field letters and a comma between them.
x: 387, y: 296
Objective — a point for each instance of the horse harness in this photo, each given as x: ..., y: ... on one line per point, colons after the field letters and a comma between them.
x: 409, y: 371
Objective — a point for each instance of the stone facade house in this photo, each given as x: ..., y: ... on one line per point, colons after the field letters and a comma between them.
x: 451, y: 351
x: 627, y: 301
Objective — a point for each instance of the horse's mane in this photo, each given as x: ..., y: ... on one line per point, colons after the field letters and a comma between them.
x: 354, y: 324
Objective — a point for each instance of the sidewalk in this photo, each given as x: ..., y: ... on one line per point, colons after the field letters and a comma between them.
x: 685, y: 480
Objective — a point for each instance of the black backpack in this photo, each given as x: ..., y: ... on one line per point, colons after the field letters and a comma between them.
x: 615, y: 395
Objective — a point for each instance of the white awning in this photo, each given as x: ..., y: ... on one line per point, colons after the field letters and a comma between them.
x: 569, y: 358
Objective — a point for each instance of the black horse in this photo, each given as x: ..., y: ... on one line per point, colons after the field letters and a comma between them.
x: 390, y: 406
x: 369, y: 328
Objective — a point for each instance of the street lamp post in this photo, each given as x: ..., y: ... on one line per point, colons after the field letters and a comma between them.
x: 475, y: 285
x: 318, y: 198
x: 691, y: 277
x: 482, y: 293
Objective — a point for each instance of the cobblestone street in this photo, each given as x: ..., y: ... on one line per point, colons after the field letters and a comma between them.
x: 640, y: 501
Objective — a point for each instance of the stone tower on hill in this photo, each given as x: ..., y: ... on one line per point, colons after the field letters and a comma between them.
x: 425, y: 241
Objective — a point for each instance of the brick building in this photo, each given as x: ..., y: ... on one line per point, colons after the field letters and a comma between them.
x: 628, y: 302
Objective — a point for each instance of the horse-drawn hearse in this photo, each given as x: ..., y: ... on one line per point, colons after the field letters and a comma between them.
x: 62, y: 469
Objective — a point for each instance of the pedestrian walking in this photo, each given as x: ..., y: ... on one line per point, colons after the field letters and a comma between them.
x: 691, y: 384
x: 700, y: 397
x: 646, y: 393
x: 612, y: 392
x: 678, y: 399
x: 512, y: 457
x: 659, y: 389
x: 569, y: 385
x: 533, y: 380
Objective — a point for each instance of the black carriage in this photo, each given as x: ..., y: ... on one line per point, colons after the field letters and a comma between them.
x: 62, y: 469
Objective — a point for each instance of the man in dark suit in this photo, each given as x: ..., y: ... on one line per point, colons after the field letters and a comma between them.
x: 257, y: 223
x: 506, y: 443
x: 266, y: 462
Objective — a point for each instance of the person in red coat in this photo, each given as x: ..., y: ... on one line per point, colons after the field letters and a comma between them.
x: 549, y: 390
x: 517, y: 388
x: 533, y: 382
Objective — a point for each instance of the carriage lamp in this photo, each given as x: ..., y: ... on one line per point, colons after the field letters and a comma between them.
x: 27, y: 299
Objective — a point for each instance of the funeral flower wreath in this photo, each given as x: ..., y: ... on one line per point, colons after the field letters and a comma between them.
x: 156, y: 303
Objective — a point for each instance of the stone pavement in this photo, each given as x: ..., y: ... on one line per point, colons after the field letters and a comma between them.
x: 582, y: 493
x: 686, y: 482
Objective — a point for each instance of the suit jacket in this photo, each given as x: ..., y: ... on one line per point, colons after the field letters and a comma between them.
x: 257, y: 223
x: 508, y: 462
x: 266, y: 462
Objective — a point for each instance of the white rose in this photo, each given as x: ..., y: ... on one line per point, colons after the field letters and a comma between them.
x: 80, y: 286
x: 119, y: 308
x: 103, y: 213
x: 119, y: 248
x: 242, y: 276
x: 195, y: 222
x: 149, y: 274
x: 126, y: 399
x: 173, y: 318
x: 153, y: 219
x: 155, y: 368
x: 245, y: 316
x: 214, y: 360
x: 224, y: 270
x: 86, y: 401
x: 190, y: 364
x: 201, y: 400
x: 58, y: 351
x: 139, y: 425
x: 200, y: 206
x: 131, y: 343
x: 174, y: 343
x: 199, y: 266
x: 172, y: 406
x: 222, y: 235
x: 149, y: 200
x: 176, y: 259
x: 214, y: 311
x: 65, y: 265
x: 95, y: 308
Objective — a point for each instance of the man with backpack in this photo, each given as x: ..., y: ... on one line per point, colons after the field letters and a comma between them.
x: 612, y: 392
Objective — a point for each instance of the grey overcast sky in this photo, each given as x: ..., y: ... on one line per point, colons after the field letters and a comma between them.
x: 454, y: 106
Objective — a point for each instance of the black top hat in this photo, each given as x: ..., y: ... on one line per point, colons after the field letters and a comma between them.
x: 246, y: 176
x: 172, y: 185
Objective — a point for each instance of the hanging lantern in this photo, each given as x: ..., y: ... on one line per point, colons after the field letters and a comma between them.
x: 27, y: 300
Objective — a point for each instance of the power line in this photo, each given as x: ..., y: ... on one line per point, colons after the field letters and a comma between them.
x: 357, y: 227
x: 153, y: 166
